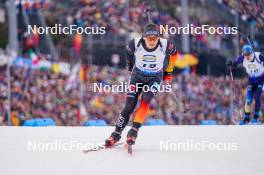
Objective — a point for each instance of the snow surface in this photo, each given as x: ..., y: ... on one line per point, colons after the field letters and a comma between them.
x: 148, y: 158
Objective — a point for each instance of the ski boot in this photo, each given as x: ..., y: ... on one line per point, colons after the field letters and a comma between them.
x: 113, y: 139
x: 255, y: 121
x: 245, y: 121
x: 131, y: 136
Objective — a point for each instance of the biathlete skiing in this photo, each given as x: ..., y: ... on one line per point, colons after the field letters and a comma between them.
x: 253, y: 63
x: 151, y: 60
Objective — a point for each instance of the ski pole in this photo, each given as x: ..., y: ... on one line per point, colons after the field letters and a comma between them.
x: 233, y: 89
x: 231, y: 73
x: 179, y: 102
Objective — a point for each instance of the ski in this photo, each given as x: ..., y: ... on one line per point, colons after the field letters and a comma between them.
x: 101, y: 147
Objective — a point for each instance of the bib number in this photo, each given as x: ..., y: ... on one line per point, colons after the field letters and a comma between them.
x: 253, y: 69
x: 149, y: 65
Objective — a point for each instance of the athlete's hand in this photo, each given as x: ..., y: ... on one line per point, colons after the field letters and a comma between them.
x: 230, y: 63
x: 129, y: 67
x: 167, y: 77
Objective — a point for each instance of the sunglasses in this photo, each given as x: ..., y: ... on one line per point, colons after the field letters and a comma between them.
x: 152, y: 38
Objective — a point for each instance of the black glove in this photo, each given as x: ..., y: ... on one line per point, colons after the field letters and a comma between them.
x: 167, y: 76
x: 230, y: 63
x: 129, y: 67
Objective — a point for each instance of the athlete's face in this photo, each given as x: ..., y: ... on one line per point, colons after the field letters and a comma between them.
x: 151, y: 41
x: 248, y: 57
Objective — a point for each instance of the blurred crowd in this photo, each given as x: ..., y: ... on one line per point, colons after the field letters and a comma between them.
x: 110, y: 14
x: 42, y: 93
x: 127, y: 17
x: 249, y: 10
x: 29, y: 5
x: 123, y: 17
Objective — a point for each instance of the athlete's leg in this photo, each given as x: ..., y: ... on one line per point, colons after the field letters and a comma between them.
x: 123, y: 119
x: 142, y: 112
x: 258, y: 93
x: 249, y: 99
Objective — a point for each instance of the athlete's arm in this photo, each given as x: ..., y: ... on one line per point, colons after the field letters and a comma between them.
x: 239, y: 60
x: 130, y: 57
x: 261, y: 57
x: 171, y: 53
